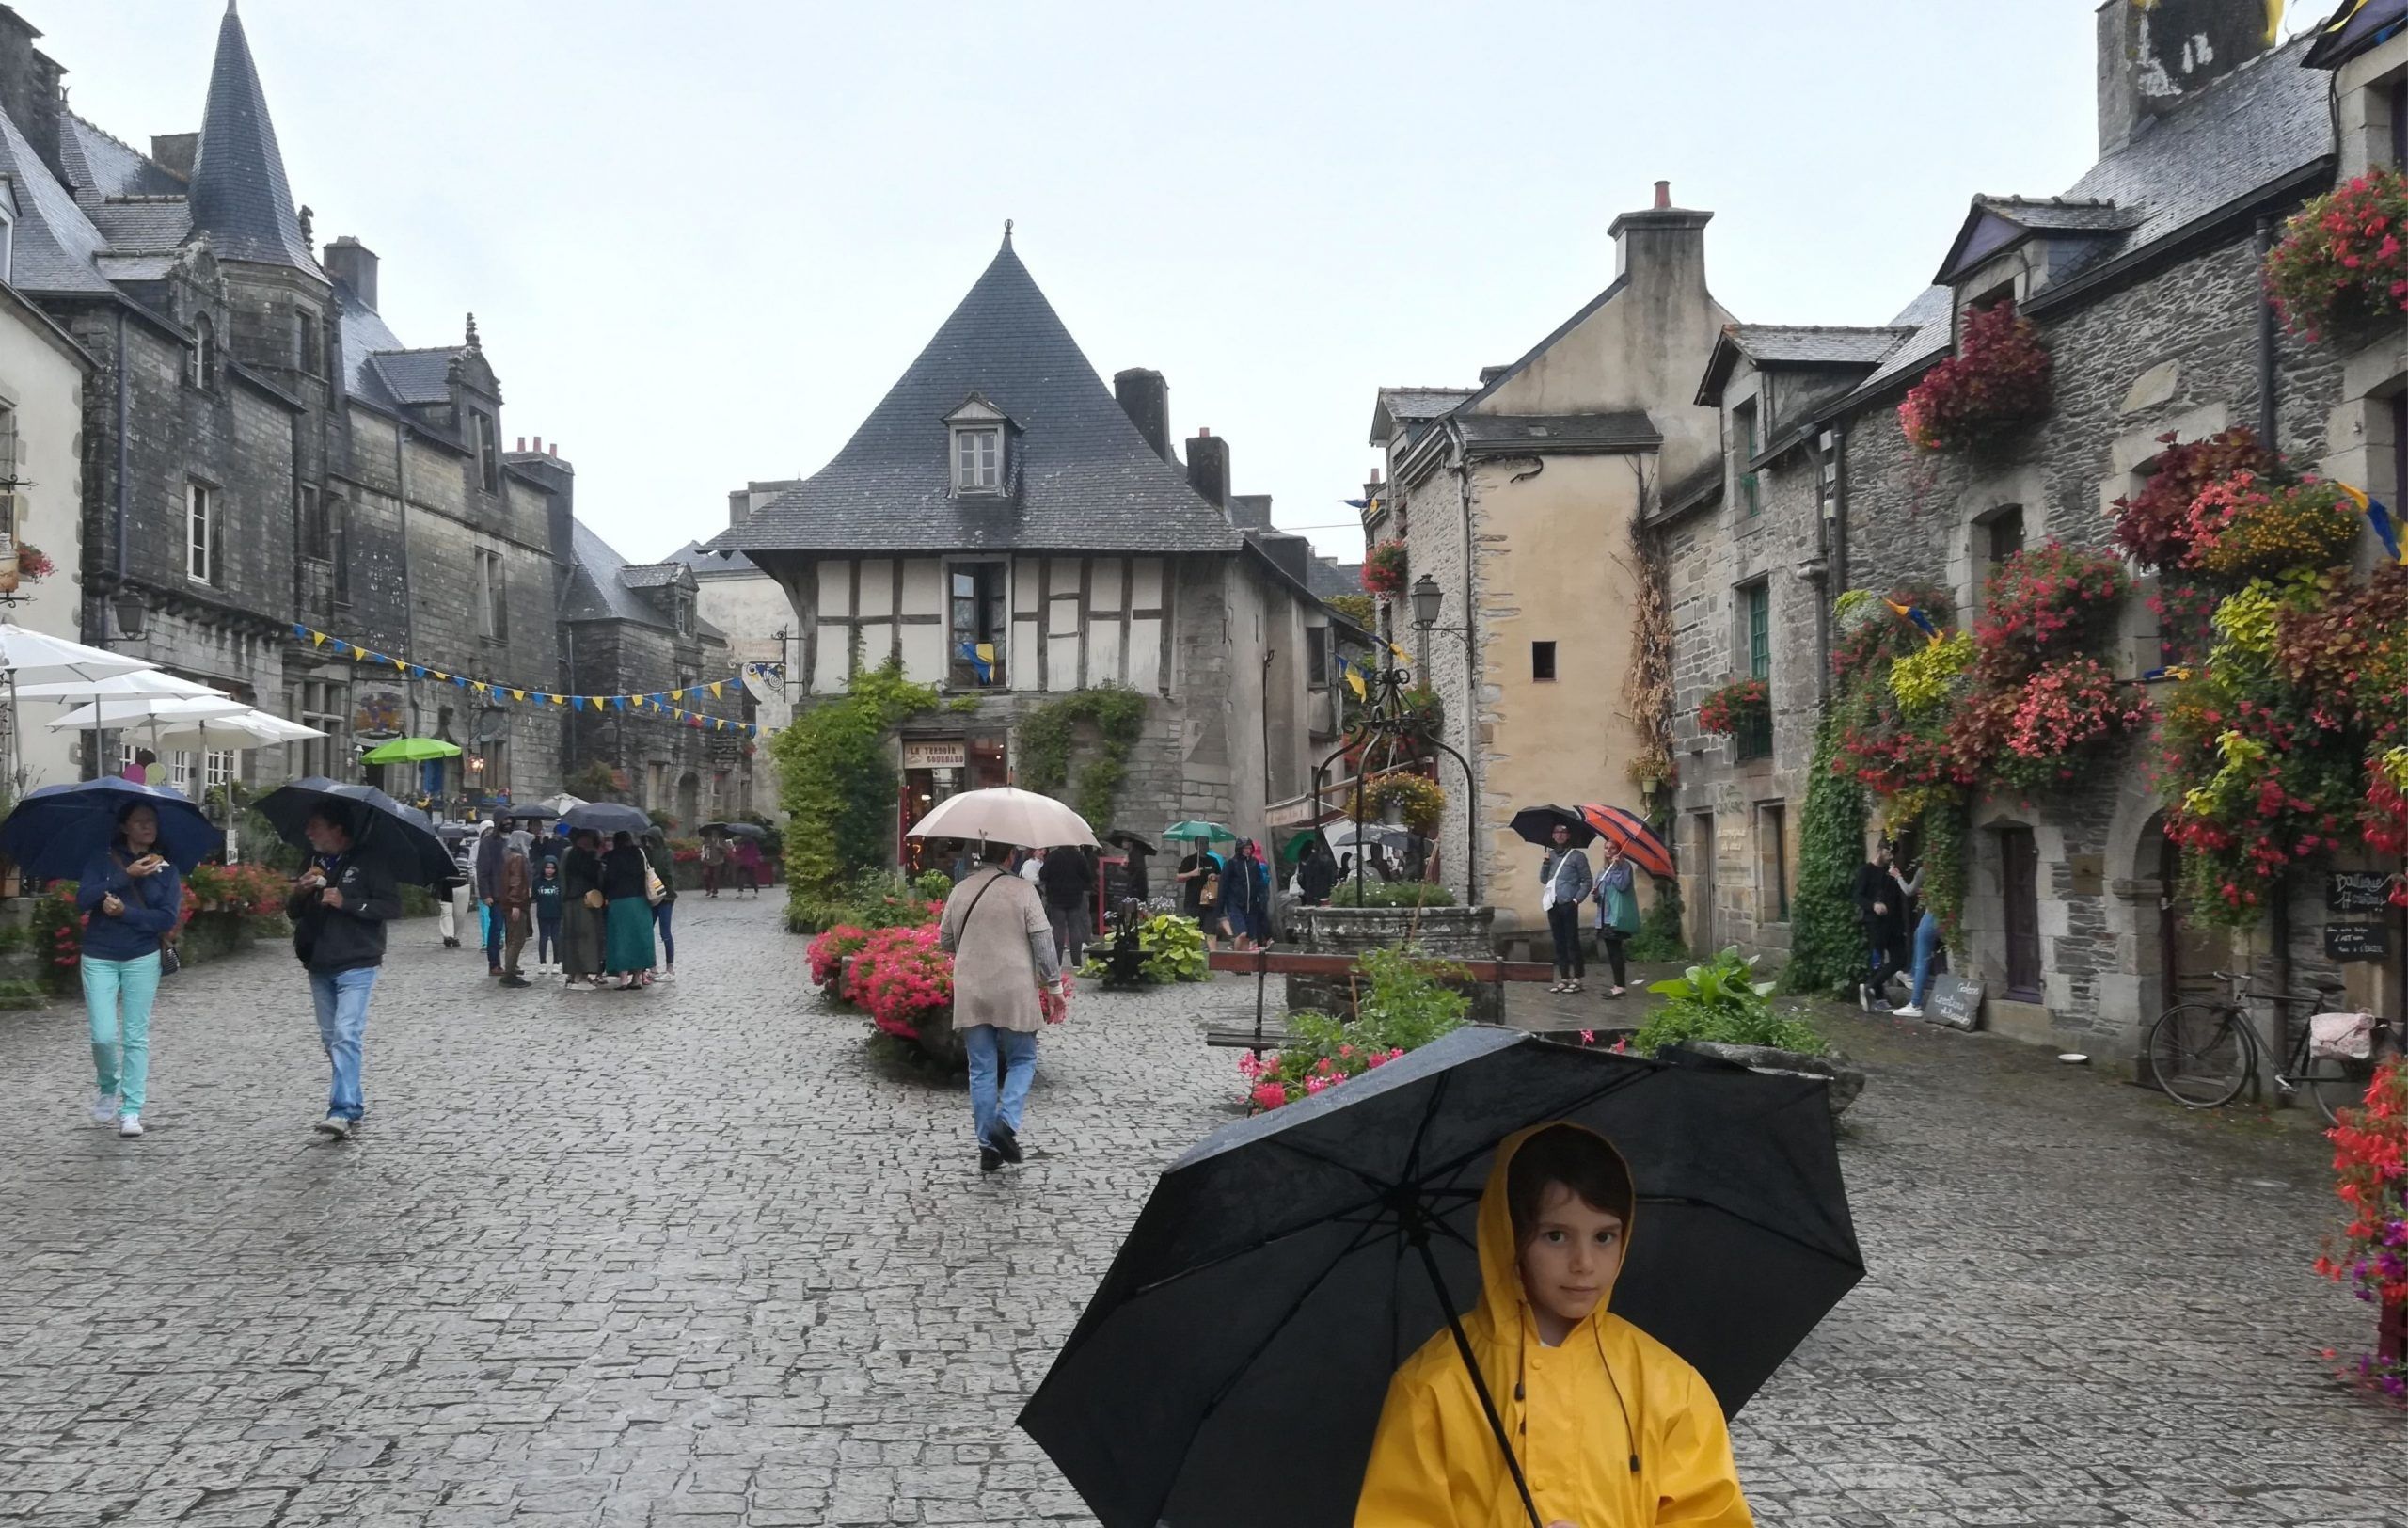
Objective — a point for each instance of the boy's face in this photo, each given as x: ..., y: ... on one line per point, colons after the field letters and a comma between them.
x: 1571, y: 1255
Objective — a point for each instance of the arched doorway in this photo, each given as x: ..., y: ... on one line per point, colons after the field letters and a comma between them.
x: 2189, y: 950
x: 690, y: 802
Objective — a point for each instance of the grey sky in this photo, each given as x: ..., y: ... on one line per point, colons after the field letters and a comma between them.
x: 701, y: 241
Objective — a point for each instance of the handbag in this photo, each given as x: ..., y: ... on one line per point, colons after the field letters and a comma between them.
x: 2347, y: 1037
x: 594, y: 900
x: 170, y: 961
x: 653, y: 892
x: 1211, y: 894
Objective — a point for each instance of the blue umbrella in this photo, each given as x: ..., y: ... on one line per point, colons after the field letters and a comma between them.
x: 383, y: 831
x: 55, y: 831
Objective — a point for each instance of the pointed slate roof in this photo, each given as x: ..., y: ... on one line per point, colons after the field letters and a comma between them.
x: 240, y: 196
x: 1081, y: 477
x: 602, y: 587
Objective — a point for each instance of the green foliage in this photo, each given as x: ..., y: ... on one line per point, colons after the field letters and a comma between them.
x: 1403, y: 1003
x: 866, y: 899
x: 1405, y: 1000
x: 595, y: 781
x: 19, y: 991
x: 1659, y: 931
x: 1827, y: 945
x: 1047, y: 735
x: 1721, y: 1000
x: 1943, y: 830
x: 933, y: 885
x: 1174, y: 949
x: 1378, y: 893
x: 837, y: 783
x: 663, y: 820
x: 1359, y: 609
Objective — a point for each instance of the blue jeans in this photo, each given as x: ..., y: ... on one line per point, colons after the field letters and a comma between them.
x: 660, y: 925
x: 1926, y: 947
x: 496, y: 926
x: 342, y: 998
x: 111, y: 987
x: 1016, y: 1051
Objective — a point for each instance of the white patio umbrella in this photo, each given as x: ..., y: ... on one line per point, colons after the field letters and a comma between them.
x: 37, y: 658
x: 140, y: 684
x: 147, y: 711
x: 244, y: 729
x: 1003, y: 815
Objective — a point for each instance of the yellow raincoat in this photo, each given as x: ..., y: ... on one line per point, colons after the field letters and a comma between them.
x: 1437, y: 1464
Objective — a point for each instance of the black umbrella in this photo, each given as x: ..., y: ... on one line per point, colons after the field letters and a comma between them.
x: 54, y: 832
x: 741, y: 830
x: 401, y: 839
x: 1125, y: 840
x: 607, y: 818
x: 1277, y: 1275
x: 1537, y: 825
x: 535, y: 812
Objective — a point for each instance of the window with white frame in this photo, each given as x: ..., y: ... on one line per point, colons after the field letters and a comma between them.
x: 978, y: 460
x: 7, y: 233
x: 8, y: 473
x: 201, y: 532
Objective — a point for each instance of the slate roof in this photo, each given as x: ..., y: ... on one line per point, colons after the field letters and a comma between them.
x: 1778, y: 345
x: 1631, y: 428
x: 651, y: 575
x: 598, y: 591
x: 1931, y: 320
x: 110, y: 168
x: 414, y: 376
x: 1411, y: 405
x: 2061, y: 214
x: 1328, y: 577
x: 707, y: 563
x: 239, y: 192
x: 147, y: 227
x: 364, y: 335
x: 1080, y: 477
x: 55, y: 243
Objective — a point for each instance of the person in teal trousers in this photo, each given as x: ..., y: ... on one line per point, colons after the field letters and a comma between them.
x: 1617, y: 910
x: 131, y: 900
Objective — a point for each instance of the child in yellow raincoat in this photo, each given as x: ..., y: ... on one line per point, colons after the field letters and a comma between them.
x: 1612, y: 1428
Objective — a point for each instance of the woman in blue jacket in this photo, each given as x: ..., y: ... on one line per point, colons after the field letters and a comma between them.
x: 132, y: 900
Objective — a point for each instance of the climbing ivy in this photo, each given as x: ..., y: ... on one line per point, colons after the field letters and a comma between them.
x: 1943, y: 830
x: 838, y: 785
x: 1046, y: 735
x: 1827, y: 938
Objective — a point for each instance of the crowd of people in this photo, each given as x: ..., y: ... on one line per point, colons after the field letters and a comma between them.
x: 600, y: 910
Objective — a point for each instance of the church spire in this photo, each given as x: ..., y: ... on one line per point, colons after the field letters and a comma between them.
x: 240, y: 196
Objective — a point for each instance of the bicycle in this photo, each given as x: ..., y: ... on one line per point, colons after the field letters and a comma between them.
x: 2202, y: 1054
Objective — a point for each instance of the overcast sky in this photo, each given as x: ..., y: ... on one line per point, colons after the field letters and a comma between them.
x: 701, y: 241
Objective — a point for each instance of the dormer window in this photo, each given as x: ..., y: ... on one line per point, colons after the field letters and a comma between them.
x: 978, y: 428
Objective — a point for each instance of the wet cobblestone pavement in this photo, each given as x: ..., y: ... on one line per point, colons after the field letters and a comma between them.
x: 698, y: 1257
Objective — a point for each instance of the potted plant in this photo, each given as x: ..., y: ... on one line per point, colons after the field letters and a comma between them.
x: 2341, y: 269
x: 1384, y: 568
x: 1718, y: 1008
x: 1734, y: 705
x: 1981, y: 397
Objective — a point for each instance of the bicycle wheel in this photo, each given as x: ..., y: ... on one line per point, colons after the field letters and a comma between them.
x: 2335, y: 1082
x: 2199, y: 1054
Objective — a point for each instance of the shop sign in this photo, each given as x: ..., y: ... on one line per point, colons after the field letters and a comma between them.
x: 954, y: 754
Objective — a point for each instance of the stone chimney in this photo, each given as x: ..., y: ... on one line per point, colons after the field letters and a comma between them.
x: 1145, y: 397
x: 1208, y: 467
x: 2152, y: 60
x: 175, y: 151
x: 29, y: 88
x: 1251, y: 511
x: 1663, y: 247
x: 741, y: 503
x: 354, y: 264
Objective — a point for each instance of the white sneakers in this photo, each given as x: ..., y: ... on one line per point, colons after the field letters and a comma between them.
x: 103, y: 1107
x: 129, y: 1125
x: 1906, y: 1011
x: 335, y: 1127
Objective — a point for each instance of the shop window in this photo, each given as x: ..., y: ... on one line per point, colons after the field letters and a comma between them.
x: 981, y: 624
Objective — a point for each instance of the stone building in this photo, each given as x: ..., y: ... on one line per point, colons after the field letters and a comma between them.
x: 1518, y: 498
x: 41, y: 504
x: 636, y: 628
x: 2143, y: 280
x: 1009, y: 530
x: 260, y: 452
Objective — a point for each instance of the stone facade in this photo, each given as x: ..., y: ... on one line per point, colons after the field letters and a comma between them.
x: 2164, y: 337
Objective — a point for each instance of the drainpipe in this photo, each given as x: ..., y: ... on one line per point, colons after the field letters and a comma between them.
x: 101, y: 630
x: 2266, y: 399
x: 1268, y: 654
x: 1472, y: 834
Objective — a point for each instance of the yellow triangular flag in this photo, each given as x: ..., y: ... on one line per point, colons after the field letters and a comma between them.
x: 717, y: 686
x: 519, y: 694
x: 317, y: 639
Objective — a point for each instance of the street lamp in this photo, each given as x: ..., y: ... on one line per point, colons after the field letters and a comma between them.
x: 1428, y: 602
x: 132, y: 610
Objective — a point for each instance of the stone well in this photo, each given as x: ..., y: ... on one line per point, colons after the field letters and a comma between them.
x: 1445, y: 933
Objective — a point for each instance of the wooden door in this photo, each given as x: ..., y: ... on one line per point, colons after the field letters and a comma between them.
x: 1702, y: 940
x: 2191, y: 951
x: 2020, y: 878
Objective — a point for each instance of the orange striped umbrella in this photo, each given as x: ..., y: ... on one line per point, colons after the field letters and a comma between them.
x: 1623, y: 826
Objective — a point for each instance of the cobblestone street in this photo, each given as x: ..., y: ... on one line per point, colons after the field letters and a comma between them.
x: 698, y: 1257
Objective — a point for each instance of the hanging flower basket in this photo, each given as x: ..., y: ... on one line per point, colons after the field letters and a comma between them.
x: 1735, y: 706
x: 1415, y: 800
x: 2045, y: 603
x: 2341, y: 269
x: 2059, y: 719
x: 2245, y: 526
x: 1384, y: 568
x: 1981, y: 397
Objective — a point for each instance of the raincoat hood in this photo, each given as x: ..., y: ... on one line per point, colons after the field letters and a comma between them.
x: 1610, y: 1428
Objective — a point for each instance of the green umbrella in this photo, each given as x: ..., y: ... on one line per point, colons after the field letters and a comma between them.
x: 1198, y: 830
x: 410, y: 751
x: 1295, y: 846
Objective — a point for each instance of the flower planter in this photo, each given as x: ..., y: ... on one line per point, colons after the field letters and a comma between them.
x: 1847, y: 1080
x: 1441, y: 933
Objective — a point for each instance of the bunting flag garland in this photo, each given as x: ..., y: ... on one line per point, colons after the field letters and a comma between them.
x: 2379, y: 520
x: 652, y: 703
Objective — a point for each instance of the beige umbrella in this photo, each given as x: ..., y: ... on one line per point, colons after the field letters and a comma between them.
x: 1003, y: 815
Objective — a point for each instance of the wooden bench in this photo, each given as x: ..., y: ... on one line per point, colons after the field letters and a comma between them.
x: 1264, y: 1035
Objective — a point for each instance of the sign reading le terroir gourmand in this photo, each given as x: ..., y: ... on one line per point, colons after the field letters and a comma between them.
x: 935, y: 755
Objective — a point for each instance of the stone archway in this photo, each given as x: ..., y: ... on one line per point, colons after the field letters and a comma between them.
x: 2161, y: 956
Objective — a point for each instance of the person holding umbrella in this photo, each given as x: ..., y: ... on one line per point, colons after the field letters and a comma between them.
x: 1617, y: 910
x: 132, y: 900
x: 1564, y: 883
x: 714, y: 861
x: 1001, y: 953
x: 339, y: 907
x: 626, y: 942
x: 1610, y: 1427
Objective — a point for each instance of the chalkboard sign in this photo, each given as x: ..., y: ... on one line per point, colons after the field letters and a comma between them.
x: 2357, y: 941
x: 1954, y: 1002
x: 2356, y: 891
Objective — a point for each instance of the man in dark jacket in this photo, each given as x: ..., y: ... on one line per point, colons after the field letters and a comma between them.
x: 1068, y: 882
x: 493, y: 848
x: 1881, y: 902
x: 339, y: 908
